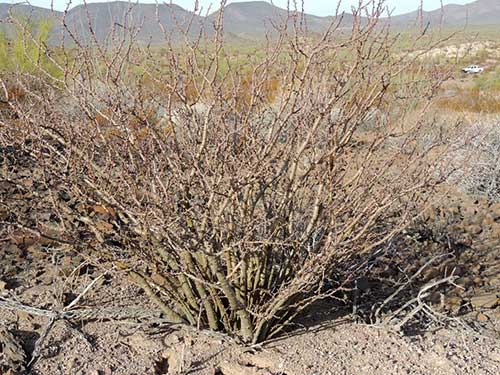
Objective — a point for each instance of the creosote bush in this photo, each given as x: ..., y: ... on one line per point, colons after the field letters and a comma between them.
x: 239, y: 198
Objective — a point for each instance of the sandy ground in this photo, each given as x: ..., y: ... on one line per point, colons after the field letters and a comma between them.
x: 323, y: 342
x: 345, y: 348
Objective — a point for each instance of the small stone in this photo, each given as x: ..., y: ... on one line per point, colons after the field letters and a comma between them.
x: 104, y: 227
x: 478, y: 280
x: 495, y: 230
x: 3, y: 285
x: 466, y: 240
x: 482, y: 318
x: 488, y: 220
x: 458, y: 291
x: 72, y: 363
x: 487, y: 301
x: 453, y: 303
x: 474, y: 229
x: 464, y: 282
x: 438, y: 347
x: 47, y: 278
x: 469, y: 211
x: 172, y: 339
x: 495, y: 210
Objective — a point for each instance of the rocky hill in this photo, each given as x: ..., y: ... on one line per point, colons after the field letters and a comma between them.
x: 248, y: 20
x: 477, y: 13
x: 112, y: 19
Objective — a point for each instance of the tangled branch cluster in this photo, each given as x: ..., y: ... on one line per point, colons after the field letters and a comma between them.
x: 237, y: 193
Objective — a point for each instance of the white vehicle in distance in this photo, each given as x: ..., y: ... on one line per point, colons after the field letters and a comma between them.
x: 472, y: 69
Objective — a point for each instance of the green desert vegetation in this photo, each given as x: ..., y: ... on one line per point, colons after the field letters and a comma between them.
x: 236, y: 186
x: 25, y: 51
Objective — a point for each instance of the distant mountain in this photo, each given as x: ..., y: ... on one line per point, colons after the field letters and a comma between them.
x: 246, y: 20
x: 23, y: 11
x: 108, y: 20
x: 254, y: 18
x: 477, y: 13
x: 113, y: 19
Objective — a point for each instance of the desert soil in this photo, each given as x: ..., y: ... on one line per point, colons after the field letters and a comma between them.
x: 325, y: 342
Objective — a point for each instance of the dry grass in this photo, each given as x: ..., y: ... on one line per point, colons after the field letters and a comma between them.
x: 471, y: 100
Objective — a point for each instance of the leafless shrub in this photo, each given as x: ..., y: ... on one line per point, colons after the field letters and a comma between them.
x: 479, y: 158
x: 246, y: 192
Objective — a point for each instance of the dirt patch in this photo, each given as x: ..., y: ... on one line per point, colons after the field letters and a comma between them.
x: 147, y: 345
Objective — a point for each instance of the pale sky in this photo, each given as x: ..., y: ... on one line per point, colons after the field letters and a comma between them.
x: 317, y: 7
